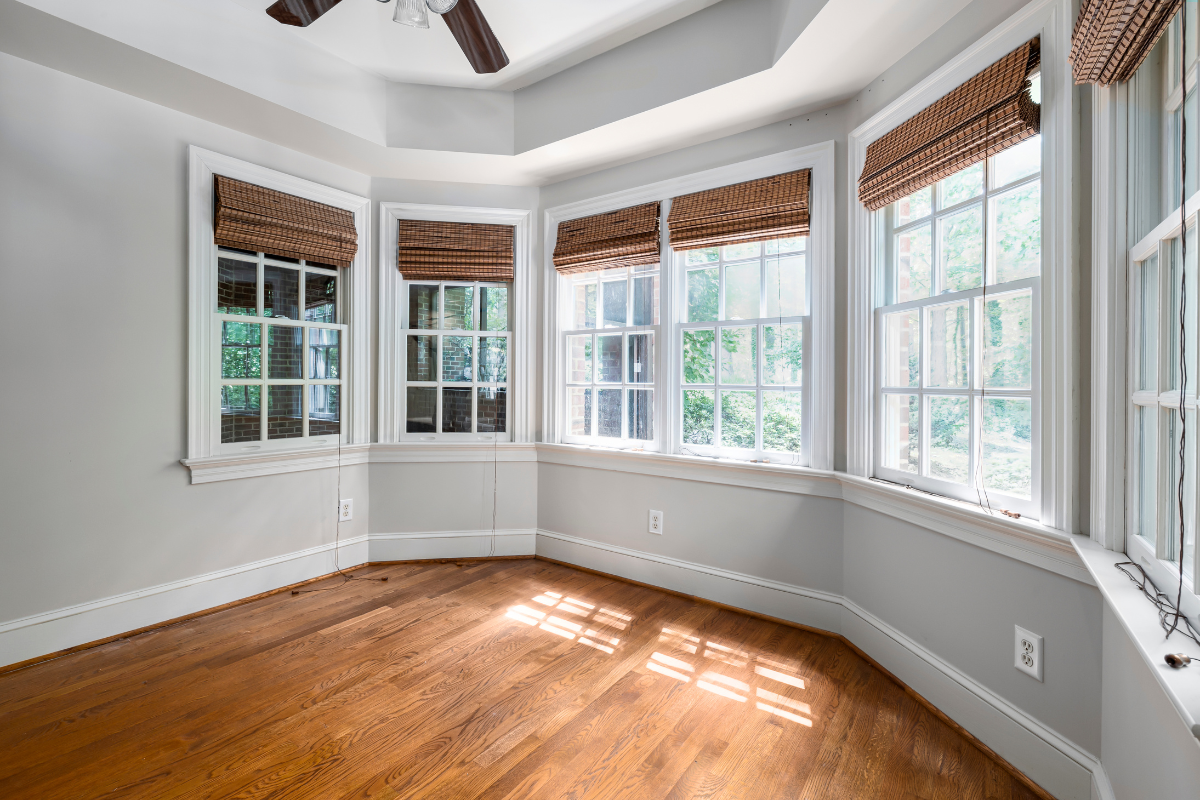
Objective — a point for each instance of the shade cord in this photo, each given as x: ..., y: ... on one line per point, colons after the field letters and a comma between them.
x: 1183, y: 378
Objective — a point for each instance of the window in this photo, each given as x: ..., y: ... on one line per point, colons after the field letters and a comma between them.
x: 456, y: 351
x: 957, y: 336
x: 741, y: 334
x: 280, y: 355
x: 609, y: 337
x: 1157, y: 272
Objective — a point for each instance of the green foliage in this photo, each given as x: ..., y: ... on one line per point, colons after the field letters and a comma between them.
x: 737, y: 419
x: 698, y: 417
x: 781, y: 421
x: 1019, y: 234
x: 698, y: 362
x: 702, y: 286
x: 240, y: 350
x: 783, y: 355
x: 962, y: 250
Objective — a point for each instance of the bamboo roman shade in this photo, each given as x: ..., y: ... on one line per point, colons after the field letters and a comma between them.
x: 251, y: 217
x: 988, y: 113
x: 627, y: 237
x: 1113, y: 37
x: 754, y: 211
x: 455, y: 251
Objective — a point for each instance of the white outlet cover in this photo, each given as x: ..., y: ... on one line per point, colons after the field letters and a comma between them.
x: 1028, y: 652
x: 346, y: 511
x: 656, y: 522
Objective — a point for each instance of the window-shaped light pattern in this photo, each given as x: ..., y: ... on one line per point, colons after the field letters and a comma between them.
x: 280, y: 342
x: 611, y: 335
x: 457, y: 344
x: 958, y: 334
x: 742, y: 335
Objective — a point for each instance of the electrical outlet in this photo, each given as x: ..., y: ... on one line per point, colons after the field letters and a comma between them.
x: 656, y: 522
x: 1029, y: 653
x: 346, y: 511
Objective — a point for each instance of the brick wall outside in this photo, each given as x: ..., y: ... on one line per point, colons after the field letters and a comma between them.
x: 609, y: 416
x: 580, y: 410
x: 320, y: 297
x: 281, y: 292
x: 579, y: 359
x: 422, y: 358
x: 422, y: 306
x: 609, y: 360
x: 456, y: 358
x: 284, y: 351
x: 422, y: 409
x: 324, y: 410
x: 492, y: 407
x: 458, y: 305
x: 456, y: 410
x: 237, y: 287
x: 284, y: 420
x: 240, y: 420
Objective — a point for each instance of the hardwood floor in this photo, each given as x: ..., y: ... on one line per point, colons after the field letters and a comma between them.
x: 497, y: 680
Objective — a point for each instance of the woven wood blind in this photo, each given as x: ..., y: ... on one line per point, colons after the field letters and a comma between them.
x: 1113, y: 37
x: 455, y: 251
x: 754, y: 211
x: 983, y: 116
x: 250, y: 217
x: 627, y: 237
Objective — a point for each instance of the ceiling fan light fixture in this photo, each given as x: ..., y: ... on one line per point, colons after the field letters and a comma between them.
x: 412, y: 13
x: 441, y: 6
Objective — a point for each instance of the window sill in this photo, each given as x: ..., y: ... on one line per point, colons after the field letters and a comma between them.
x: 449, y: 451
x: 1140, y: 620
x: 252, y: 465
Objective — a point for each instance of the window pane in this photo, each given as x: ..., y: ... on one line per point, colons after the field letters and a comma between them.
x: 739, y: 355
x: 901, y: 434
x: 579, y: 410
x: 735, y: 252
x: 579, y: 359
x: 1175, y: 254
x: 492, y: 405
x: 615, y: 303
x: 1007, y: 445
x: 324, y: 410
x: 960, y: 242
x: 1008, y: 341
x: 281, y: 292
x: 1148, y: 328
x: 456, y: 410
x: 949, y: 438
x: 458, y: 313
x: 237, y: 287
x: 777, y: 246
x: 1171, y: 523
x: 241, y: 419
x: 902, y: 348
x: 698, y: 416
x: 641, y: 358
x: 699, y: 363
x: 320, y: 297
x: 284, y: 420
x: 1017, y: 162
x: 493, y: 359
x: 609, y: 408
x: 641, y: 414
x: 645, y: 300
x: 706, y: 255
x: 913, y: 256
x: 948, y: 345
x: 609, y: 366
x: 961, y: 186
x: 1017, y: 233
x: 241, y: 353
x: 585, y: 305
x: 781, y: 421
x: 493, y: 304
x: 741, y: 290
x: 702, y: 295
x: 421, y: 408
x: 285, y: 350
x: 456, y: 358
x: 786, y: 295
x: 422, y: 358
x: 422, y: 307
x: 783, y: 354
x: 1146, y: 437
x: 323, y: 353
x: 916, y: 205
x: 738, y: 412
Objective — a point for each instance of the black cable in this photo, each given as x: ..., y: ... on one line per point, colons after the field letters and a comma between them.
x: 1161, y: 601
x: 1182, y: 308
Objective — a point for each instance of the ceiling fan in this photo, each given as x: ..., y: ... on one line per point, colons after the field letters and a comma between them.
x: 463, y: 17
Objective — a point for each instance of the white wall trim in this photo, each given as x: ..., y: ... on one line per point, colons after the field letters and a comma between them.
x: 818, y: 157
x: 226, y: 468
x: 523, y: 364
x: 1052, y: 20
x: 203, y: 396
x: 441, y: 452
x: 414, y: 546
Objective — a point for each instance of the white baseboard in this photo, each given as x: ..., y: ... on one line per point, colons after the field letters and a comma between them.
x: 1052, y: 761
x: 49, y: 632
x: 451, y: 544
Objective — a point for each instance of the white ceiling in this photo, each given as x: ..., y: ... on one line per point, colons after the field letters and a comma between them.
x: 536, y: 35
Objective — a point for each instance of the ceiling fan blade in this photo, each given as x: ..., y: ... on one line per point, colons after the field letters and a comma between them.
x: 300, y: 13
x: 475, y: 37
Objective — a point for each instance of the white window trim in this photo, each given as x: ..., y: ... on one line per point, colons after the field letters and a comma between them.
x: 1053, y: 21
x: 522, y: 377
x: 204, y: 457
x: 819, y: 158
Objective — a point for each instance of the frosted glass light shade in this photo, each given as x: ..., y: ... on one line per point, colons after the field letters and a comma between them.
x: 411, y: 12
x: 441, y: 6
